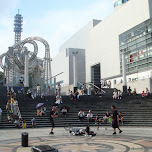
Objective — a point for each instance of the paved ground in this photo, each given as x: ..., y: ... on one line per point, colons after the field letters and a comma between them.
x: 132, y: 140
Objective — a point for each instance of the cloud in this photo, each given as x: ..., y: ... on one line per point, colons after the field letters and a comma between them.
x: 56, y: 26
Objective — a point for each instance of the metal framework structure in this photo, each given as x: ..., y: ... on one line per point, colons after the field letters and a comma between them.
x: 18, y: 20
x: 14, y: 60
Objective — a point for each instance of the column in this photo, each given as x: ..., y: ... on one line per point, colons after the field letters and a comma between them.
x: 124, y: 73
x: 26, y: 79
x: 75, y: 70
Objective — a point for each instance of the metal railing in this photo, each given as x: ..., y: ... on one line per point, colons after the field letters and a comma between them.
x: 79, y: 84
x: 96, y: 87
x: 19, y: 113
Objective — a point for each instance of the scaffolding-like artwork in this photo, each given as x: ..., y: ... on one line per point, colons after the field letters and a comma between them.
x: 13, y: 63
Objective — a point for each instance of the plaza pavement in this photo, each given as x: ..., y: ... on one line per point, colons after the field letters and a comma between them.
x: 132, y: 139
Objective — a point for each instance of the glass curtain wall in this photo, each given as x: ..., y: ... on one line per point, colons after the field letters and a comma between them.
x: 136, y: 43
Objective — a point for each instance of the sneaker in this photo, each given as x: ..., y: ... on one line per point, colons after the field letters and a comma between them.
x: 51, y: 133
x: 114, y: 133
x: 120, y: 131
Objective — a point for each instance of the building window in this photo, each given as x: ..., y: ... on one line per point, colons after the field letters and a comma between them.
x: 119, y: 2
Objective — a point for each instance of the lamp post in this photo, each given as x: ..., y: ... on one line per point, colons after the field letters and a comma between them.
x: 75, y: 75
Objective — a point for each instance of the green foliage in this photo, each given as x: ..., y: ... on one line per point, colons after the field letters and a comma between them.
x: 1, y: 75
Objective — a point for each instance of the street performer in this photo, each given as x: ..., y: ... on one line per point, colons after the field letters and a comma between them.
x: 53, y: 114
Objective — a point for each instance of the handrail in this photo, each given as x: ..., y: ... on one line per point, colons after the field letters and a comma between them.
x: 93, y: 85
x: 19, y: 113
x: 80, y: 83
x: 96, y: 86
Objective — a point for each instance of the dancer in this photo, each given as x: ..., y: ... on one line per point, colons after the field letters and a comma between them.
x: 115, y: 120
x: 53, y: 114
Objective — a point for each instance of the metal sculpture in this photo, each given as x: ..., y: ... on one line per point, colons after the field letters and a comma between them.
x: 14, y: 61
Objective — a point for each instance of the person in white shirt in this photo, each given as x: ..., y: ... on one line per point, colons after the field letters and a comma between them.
x: 89, y: 116
x: 102, y: 83
x: 58, y: 99
x: 147, y: 92
x: 0, y: 114
x: 64, y: 111
x: 119, y: 94
x: 115, y: 94
x: 81, y: 115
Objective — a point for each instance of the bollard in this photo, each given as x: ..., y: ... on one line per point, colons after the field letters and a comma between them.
x: 25, y: 139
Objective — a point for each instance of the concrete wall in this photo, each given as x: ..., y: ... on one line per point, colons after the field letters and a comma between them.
x: 80, y: 39
x: 140, y: 85
x: 65, y: 89
x: 61, y: 64
x: 103, y: 46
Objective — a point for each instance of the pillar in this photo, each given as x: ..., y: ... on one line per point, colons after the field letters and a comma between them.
x: 26, y: 79
x: 124, y: 74
x: 75, y: 70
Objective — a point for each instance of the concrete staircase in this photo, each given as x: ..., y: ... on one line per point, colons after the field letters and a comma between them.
x: 136, y: 110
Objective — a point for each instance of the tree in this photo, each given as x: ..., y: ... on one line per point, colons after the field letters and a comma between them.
x: 1, y: 75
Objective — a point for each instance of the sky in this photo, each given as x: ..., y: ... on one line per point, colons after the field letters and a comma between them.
x: 54, y: 20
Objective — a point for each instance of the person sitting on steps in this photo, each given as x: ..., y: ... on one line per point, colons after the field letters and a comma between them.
x: 129, y: 91
x: 97, y: 120
x: 90, y: 116
x: 120, y: 118
x: 106, y: 117
x: 81, y: 115
x: 134, y: 92
x: 115, y: 94
x: 119, y: 94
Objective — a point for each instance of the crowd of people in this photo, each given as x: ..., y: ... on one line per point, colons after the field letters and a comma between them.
x: 114, y: 118
x: 145, y: 93
x: 117, y: 94
x: 97, y: 119
x: 13, y: 111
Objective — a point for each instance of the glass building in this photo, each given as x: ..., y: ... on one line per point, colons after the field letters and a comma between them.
x: 136, y: 43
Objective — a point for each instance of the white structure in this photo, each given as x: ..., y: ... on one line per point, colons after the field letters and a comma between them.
x: 127, y: 29
x: 26, y: 79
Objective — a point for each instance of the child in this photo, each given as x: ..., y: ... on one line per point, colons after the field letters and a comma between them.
x: 143, y: 94
x: 97, y: 120
x: 24, y: 125
x: 33, y: 123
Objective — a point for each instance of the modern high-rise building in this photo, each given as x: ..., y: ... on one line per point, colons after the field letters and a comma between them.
x: 128, y: 29
x: 18, y: 20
